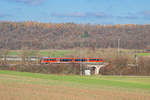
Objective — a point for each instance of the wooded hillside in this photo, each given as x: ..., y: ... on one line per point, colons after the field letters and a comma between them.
x: 34, y: 35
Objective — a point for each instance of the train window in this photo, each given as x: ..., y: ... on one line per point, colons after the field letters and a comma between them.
x: 45, y: 59
x: 49, y: 59
x: 52, y: 59
x: 95, y: 59
x: 92, y: 59
x: 99, y: 59
x: 77, y: 59
x: 65, y: 60
x: 81, y: 60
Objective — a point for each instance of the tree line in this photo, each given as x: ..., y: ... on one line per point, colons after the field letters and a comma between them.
x: 36, y: 35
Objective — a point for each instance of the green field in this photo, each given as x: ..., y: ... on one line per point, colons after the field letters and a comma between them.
x: 54, y: 53
x: 85, y: 52
x: 62, y: 87
x: 143, y: 54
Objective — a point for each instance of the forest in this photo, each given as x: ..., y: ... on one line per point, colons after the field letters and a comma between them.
x: 36, y: 35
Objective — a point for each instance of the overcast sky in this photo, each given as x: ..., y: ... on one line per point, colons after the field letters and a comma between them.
x: 77, y: 11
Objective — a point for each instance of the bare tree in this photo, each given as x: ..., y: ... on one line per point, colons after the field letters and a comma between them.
x: 4, y: 54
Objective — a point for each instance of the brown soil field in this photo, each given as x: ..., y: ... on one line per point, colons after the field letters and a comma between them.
x: 24, y: 88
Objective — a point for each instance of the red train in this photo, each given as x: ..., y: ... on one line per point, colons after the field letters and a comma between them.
x: 47, y: 60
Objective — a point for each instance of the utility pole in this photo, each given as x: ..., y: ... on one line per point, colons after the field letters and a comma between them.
x: 80, y: 67
x: 118, y: 47
x: 80, y: 58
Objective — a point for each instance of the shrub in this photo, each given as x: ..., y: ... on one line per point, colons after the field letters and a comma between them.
x: 117, y: 66
x: 47, y: 69
x: 143, y: 67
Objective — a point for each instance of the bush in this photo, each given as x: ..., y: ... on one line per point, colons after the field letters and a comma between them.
x: 47, y: 69
x: 143, y: 66
x: 118, y: 66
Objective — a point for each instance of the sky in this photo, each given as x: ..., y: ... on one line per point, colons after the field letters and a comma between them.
x: 76, y: 11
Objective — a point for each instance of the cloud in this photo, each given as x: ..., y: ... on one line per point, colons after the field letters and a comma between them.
x: 145, y: 14
x: 98, y: 14
x: 127, y: 17
x: 82, y: 15
x: 3, y: 15
x: 31, y: 2
x: 76, y: 14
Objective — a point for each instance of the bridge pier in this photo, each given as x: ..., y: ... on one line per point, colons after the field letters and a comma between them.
x: 96, y: 68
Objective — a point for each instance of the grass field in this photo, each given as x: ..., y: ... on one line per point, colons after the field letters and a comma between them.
x: 84, y: 52
x: 143, y: 54
x: 54, y: 53
x: 33, y: 86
